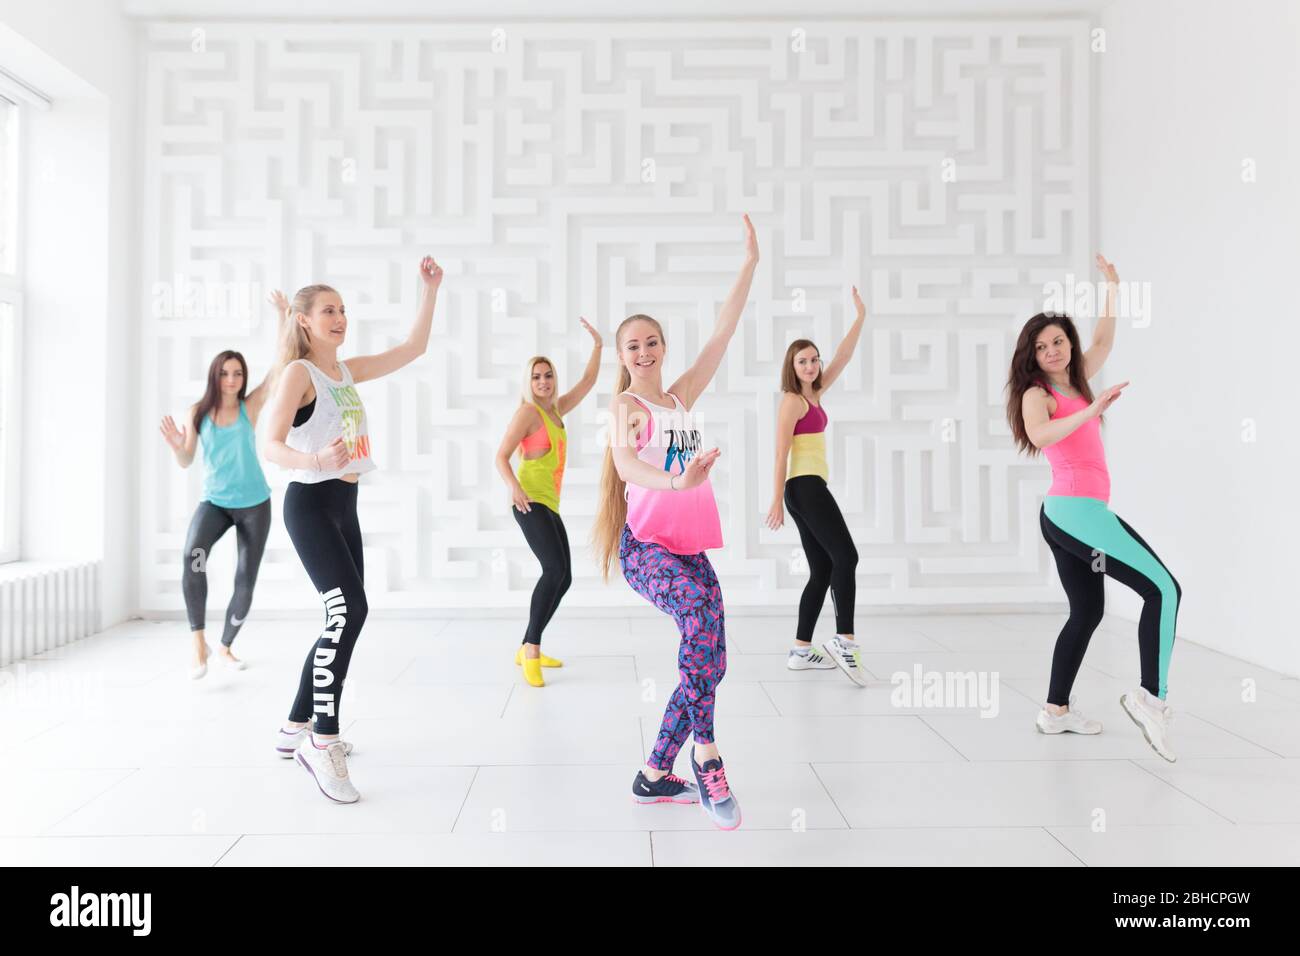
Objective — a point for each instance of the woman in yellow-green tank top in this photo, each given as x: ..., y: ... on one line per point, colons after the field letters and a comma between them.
x: 537, y: 432
x: 801, y: 486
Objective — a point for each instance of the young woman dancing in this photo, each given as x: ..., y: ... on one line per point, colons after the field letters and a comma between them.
x: 1050, y: 407
x: 537, y: 431
x: 827, y: 544
x: 235, y: 495
x: 316, y: 427
x: 658, y: 515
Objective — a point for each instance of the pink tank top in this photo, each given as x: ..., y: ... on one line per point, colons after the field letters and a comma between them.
x: 684, y: 522
x: 1079, y: 460
x: 812, y: 421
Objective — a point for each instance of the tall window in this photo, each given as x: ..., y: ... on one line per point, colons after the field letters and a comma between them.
x: 11, y: 302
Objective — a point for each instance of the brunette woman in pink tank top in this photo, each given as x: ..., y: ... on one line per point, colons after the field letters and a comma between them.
x: 658, y: 515
x: 1051, y: 408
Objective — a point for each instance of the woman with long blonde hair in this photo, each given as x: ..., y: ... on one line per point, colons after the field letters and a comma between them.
x: 658, y: 515
x: 536, y: 430
x: 315, y: 426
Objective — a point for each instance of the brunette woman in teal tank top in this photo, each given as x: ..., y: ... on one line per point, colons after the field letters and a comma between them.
x: 235, y: 494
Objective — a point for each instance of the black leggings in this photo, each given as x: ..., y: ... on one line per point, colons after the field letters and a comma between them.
x: 832, y: 558
x: 544, y: 531
x: 209, y: 523
x: 321, y: 519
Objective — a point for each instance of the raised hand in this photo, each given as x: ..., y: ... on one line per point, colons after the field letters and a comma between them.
x: 697, y: 472
x: 280, y: 302
x: 594, y: 334
x: 173, y: 436
x: 334, y: 455
x: 1107, y: 269
x: 859, y: 304
x: 1106, y: 399
x: 751, y: 241
x: 430, y: 273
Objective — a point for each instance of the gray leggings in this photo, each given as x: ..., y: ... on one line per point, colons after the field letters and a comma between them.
x: 210, y: 522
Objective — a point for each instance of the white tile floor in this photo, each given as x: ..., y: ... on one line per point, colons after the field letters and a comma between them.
x: 111, y: 755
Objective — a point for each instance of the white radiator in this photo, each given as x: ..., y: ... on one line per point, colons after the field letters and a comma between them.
x: 43, y: 606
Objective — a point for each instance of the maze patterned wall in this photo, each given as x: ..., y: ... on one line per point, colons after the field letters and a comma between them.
x: 601, y: 169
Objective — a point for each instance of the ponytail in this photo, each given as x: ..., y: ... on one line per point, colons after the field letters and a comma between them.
x: 611, y: 514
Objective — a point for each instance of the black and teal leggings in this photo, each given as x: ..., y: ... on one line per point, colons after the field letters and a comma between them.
x: 1089, y: 541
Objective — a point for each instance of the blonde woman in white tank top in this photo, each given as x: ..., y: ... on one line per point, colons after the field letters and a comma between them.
x: 315, y: 426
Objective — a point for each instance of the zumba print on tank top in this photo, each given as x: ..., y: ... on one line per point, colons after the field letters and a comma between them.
x: 684, y: 521
x: 683, y: 445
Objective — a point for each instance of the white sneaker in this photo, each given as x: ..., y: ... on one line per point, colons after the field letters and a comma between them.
x: 1153, y: 718
x: 199, y: 671
x: 847, y: 657
x: 812, y: 661
x: 1072, y: 721
x: 233, y: 663
x: 287, y: 742
x: 328, y: 766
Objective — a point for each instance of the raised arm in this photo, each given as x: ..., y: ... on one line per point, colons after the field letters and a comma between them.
x: 366, y: 367
x: 845, y: 352
x: 256, y: 399
x: 526, y: 420
x: 1044, y: 431
x: 181, y: 441
x: 574, y: 396
x: 787, y: 414
x: 696, y: 378
x: 1103, y: 336
x: 626, y: 417
x: 290, y: 391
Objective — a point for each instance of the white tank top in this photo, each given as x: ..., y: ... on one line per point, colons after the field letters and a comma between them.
x: 337, y: 412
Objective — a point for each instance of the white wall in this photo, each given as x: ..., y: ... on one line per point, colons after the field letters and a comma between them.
x: 79, y: 448
x: 287, y: 154
x: 1204, y: 447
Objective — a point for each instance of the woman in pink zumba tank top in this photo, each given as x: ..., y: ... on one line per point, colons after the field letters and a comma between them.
x: 1051, y: 408
x: 658, y: 515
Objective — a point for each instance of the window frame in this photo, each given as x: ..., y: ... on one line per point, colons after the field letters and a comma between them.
x: 11, y: 294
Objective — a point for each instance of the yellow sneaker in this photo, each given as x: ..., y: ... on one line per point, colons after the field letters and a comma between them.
x: 533, y: 671
x: 546, y: 661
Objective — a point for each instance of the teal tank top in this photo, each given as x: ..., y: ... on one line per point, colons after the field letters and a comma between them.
x: 232, y: 475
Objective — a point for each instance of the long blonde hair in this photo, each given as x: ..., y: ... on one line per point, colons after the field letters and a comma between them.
x: 526, y: 397
x: 295, y: 341
x: 611, y: 514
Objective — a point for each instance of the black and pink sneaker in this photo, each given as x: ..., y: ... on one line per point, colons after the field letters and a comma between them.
x: 667, y: 789
x: 716, y: 798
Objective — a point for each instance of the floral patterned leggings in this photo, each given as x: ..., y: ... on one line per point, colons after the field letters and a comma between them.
x: 684, y: 586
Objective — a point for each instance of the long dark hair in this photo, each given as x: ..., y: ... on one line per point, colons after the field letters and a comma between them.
x: 1026, y: 372
x: 790, y: 381
x: 211, y: 399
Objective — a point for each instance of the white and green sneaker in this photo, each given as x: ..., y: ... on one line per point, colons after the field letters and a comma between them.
x: 808, y: 659
x: 848, y: 657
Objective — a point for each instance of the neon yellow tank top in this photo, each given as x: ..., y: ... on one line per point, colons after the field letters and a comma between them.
x: 541, y: 477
